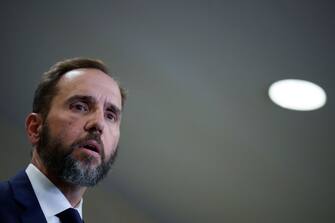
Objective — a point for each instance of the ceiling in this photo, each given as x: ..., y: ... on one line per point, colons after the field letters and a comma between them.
x: 201, y: 141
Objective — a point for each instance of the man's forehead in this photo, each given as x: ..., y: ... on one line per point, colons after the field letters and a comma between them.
x: 90, y: 82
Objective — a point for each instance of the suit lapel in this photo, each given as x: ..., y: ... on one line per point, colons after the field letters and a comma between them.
x: 24, y: 194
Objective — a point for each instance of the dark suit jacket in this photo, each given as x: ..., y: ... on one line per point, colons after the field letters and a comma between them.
x: 18, y: 202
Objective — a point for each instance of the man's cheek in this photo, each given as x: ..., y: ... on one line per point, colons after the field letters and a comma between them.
x: 70, y: 133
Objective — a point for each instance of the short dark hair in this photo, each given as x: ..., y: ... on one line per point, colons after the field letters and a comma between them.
x: 47, y: 87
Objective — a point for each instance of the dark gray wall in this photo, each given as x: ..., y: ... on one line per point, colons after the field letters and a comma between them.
x: 201, y: 141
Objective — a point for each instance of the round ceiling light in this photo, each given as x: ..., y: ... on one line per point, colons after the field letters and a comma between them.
x: 297, y: 94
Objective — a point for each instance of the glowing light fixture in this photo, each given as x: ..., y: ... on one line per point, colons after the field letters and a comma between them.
x: 297, y: 94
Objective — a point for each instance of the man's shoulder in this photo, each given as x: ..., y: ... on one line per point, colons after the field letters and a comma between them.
x: 8, y: 206
x: 18, y: 200
x: 6, y: 187
x: 5, y: 191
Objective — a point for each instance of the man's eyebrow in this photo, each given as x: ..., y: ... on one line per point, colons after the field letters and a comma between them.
x: 86, y: 98
x: 93, y: 100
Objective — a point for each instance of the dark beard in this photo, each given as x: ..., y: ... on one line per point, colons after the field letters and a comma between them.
x: 59, y: 160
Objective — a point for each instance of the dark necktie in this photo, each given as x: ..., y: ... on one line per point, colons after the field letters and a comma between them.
x: 70, y: 215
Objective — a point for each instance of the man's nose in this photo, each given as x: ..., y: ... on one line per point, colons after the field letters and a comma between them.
x: 95, y: 122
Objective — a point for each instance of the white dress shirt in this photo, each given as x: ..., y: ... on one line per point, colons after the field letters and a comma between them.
x: 50, y: 198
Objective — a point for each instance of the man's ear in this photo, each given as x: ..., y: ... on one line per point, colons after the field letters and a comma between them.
x: 34, y: 124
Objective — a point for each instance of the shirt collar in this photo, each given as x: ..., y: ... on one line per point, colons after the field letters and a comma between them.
x: 51, y: 199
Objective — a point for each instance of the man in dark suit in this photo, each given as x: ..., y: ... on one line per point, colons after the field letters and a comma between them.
x: 74, y: 130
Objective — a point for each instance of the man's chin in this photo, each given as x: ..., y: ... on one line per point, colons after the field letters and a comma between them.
x: 89, y: 162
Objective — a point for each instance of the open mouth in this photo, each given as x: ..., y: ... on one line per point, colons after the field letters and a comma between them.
x: 92, y: 146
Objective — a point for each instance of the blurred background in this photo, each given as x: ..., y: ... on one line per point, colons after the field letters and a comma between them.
x: 201, y: 140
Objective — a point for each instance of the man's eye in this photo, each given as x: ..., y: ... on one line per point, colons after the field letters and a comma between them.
x: 79, y: 106
x: 111, y: 116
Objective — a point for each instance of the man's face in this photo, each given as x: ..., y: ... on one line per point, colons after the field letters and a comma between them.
x: 80, y: 135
